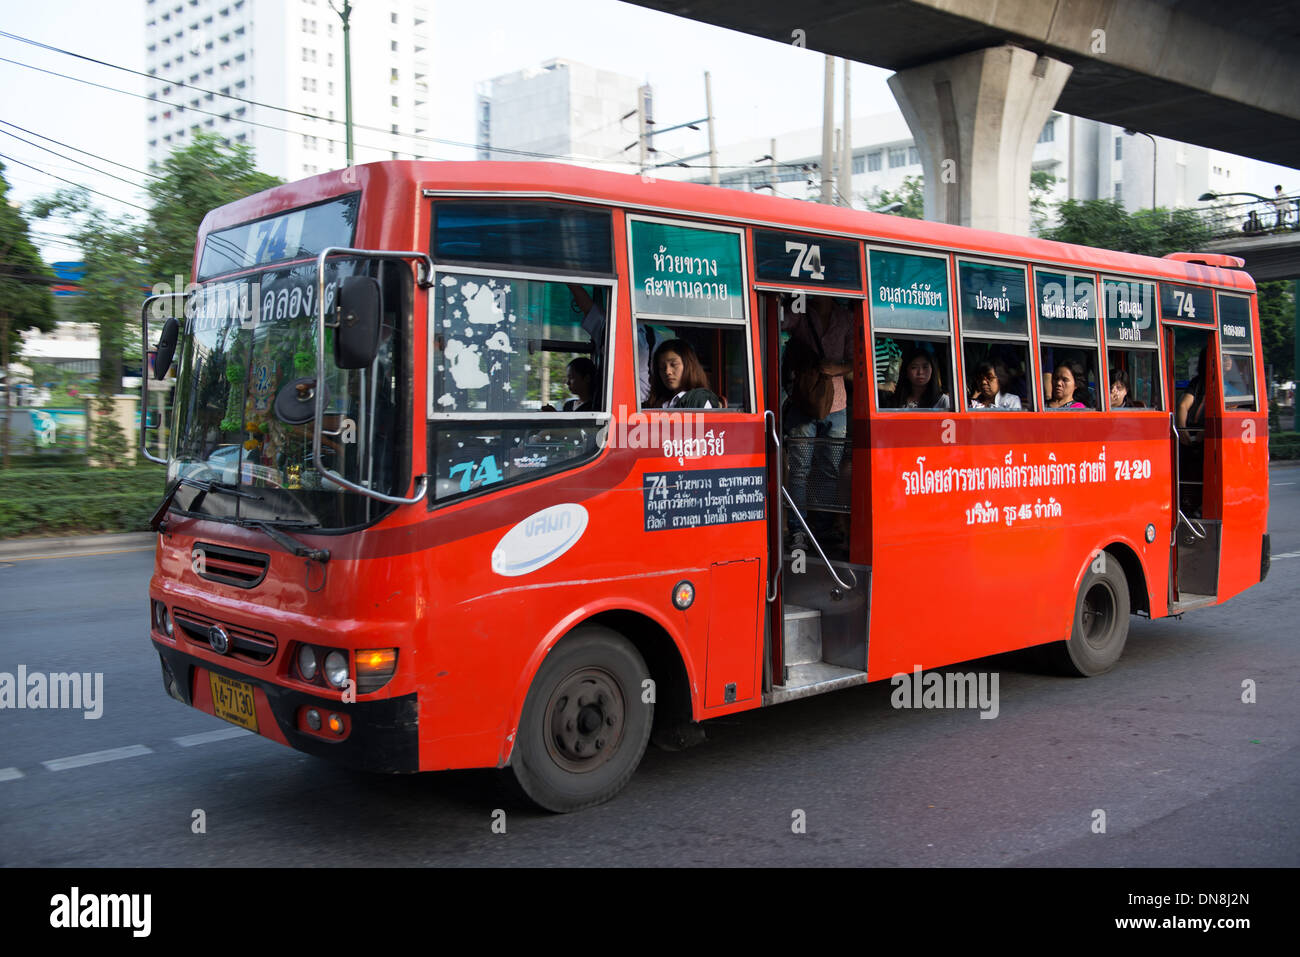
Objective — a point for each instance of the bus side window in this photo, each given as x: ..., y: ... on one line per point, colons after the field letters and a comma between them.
x: 713, y: 360
x: 1087, y: 387
x: 1141, y: 374
x: 1011, y: 357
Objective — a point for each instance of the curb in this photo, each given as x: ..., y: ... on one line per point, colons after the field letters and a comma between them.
x: 53, y: 546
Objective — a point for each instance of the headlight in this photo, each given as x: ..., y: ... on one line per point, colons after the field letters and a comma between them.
x: 336, y: 668
x: 307, y: 662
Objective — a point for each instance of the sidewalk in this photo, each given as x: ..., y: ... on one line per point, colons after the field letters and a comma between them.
x: 21, y: 548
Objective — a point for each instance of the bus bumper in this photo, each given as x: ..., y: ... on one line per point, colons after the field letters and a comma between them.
x: 382, y: 735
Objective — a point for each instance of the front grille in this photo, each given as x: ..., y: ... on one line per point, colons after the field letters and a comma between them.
x: 229, y: 566
x: 257, y: 647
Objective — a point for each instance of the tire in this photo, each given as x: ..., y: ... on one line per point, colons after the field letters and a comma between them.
x: 584, y: 726
x: 1101, y: 614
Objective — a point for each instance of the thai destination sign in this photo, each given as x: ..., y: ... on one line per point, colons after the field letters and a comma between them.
x: 993, y: 298
x: 1234, y: 322
x: 1130, y: 309
x: 693, y: 499
x: 686, y: 271
x: 908, y: 291
x: 1067, y: 305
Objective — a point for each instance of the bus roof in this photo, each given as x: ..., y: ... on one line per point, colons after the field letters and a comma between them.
x: 386, y: 185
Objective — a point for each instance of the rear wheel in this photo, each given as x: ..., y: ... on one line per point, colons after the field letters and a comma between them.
x: 1101, y: 612
x: 584, y: 725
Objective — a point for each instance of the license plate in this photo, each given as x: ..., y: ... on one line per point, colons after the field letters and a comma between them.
x: 233, y: 700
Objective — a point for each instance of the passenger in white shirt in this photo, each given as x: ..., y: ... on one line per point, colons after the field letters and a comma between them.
x: 988, y: 393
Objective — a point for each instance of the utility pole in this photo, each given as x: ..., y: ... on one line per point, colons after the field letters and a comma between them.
x: 643, y: 124
x: 828, y: 121
x: 713, y: 149
x: 345, y: 15
x: 846, y: 145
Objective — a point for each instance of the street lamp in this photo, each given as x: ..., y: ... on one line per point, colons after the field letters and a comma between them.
x: 1153, y: 161
x: 345, y: 15
x: 1207, y: 197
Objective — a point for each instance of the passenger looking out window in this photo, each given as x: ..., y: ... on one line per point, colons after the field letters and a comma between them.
x: 679, y: 381
x: 1069, y: 389
x: 988, y: 378
x: 919, y: 383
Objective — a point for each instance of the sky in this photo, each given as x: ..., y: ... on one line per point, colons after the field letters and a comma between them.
x: 760, y: 87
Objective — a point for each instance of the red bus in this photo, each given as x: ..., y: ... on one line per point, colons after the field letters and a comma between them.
x: 517, y: 465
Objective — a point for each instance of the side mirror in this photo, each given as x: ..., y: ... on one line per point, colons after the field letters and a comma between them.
x: 356, y: 340
x: 166, y: 348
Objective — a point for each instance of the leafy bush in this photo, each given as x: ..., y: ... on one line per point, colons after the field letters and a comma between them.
x: 40, y: 501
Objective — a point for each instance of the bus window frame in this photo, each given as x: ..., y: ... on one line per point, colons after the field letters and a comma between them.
x: 1065, y: 342
x: 611, y: 336
x: 746, y: 319
x: 1158, y: 346
x: 1237, y: 351
x: 873, y: 330
x: 1030, y: 338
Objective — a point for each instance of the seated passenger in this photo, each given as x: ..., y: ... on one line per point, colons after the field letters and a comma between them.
x: 988, y: 393
x: 581, y: 381
x: 1068, y: 389
x: 1119, y: 390
x: 678, y: 380
x: 919, y: 386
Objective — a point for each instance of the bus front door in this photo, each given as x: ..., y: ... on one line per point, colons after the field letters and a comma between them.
x: 1191, y: 358
x: 817, y: 621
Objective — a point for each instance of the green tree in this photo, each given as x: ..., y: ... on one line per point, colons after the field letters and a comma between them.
x: 1277, y: 327
x: 1040, y: 188
x: 25, y: 300
x: 1106, y: 224
x: 910, y: 197
x: 191, y: 182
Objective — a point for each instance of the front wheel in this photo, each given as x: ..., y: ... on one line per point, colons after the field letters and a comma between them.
x: 1101, y: 613
x: 584, y: 725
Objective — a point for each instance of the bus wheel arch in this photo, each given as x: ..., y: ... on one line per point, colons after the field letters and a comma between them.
x: 584, y: 724
x: 1099, y: 627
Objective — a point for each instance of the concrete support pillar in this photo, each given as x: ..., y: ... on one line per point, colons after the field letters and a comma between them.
x: 976, y: 118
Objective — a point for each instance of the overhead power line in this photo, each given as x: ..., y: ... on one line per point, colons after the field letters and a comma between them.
x: 115, y: 199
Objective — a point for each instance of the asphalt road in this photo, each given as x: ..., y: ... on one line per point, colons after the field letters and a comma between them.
x: 1182, y: 771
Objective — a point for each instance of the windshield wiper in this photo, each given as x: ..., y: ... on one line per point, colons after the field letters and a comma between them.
x: 156, y: 522
x: 290, y: 545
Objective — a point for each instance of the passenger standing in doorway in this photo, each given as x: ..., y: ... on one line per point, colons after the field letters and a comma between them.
x: 816, y: 364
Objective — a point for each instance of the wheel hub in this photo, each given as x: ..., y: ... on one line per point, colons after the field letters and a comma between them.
x: 585, y: 720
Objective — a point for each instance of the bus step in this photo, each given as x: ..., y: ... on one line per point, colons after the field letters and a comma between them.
x: 817, y: 677
x: 1187, y: 601
x: 803, y: 635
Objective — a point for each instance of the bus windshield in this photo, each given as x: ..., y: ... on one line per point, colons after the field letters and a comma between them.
x: 246, y: 398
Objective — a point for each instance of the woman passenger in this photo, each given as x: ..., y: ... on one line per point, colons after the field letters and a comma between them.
x: 1119, y: 389
x: 581, y: 381
x: 988, y: 378
x: 919, y: 385
x: 677, y: 380
x: 1068, y: 388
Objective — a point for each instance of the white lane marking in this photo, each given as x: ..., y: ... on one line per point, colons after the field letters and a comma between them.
x: 1278, y: 558
x: 10, y: 774
x: 96, y: 757
x: 221, y: 734
x: 1276, y: 484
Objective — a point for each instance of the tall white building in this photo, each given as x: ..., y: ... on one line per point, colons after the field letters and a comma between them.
x: 289, y: 53
x: 561, y: 110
